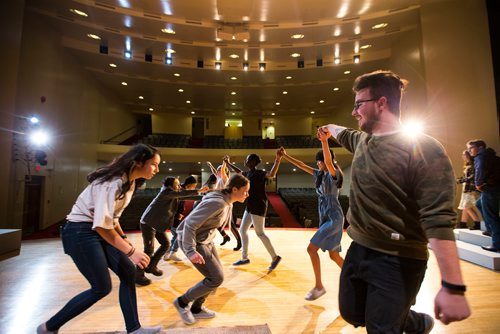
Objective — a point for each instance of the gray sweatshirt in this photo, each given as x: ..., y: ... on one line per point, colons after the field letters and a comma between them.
x: 200, y: 226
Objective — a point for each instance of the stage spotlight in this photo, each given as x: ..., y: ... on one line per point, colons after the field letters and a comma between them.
x: 127, y: 54
x: 168, y: 60
x: 262, y: 66
x: 200, y: 64
x: 300, y: 64
x: 245, y: 66
x: 319, y: 62
x: 337, y: 60
x: 356, y: 59
x: 218, y: 65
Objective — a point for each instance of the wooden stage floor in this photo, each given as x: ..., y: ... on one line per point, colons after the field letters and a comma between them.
x: 37, y: 283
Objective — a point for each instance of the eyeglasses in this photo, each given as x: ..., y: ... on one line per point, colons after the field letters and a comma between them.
x: 358, y: 103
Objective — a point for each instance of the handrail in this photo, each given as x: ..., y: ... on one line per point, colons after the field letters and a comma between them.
x: 107, y: 141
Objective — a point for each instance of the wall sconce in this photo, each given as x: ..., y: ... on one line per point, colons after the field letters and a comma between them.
x: 218, y: 65
x: 262, y: 66
x: 337, y: 60
x: 245, y: 66
x: 127, y: 54
x: 168, y: 60
x: 356, y: 59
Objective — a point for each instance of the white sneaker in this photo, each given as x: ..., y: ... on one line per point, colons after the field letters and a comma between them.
x: 205, y: 313
x: 315, y: 294
x: 185, y: 313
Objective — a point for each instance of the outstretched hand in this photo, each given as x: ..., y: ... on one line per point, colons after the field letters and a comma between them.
x: 323, y: 133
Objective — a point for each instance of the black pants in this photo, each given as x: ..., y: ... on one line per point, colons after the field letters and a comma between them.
x: 377, y: 290
x: 148, y: 236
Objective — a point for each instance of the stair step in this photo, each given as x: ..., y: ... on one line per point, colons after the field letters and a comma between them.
x: 477, y: 255
x: 474, y: 237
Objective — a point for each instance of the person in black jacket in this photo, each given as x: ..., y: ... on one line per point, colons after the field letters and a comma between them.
x: 156, y: 219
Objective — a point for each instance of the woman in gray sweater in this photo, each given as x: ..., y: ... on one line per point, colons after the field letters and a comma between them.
x: 195, y: 235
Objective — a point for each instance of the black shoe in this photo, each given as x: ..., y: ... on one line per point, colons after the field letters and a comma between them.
x: 155, y: 271
x: 226, y: 239
x: 487, y: 233
x: 462, y: 225
x: 237, y: 248
x: 476, y: 226
x: 491, y: 249
x: 142, y: 280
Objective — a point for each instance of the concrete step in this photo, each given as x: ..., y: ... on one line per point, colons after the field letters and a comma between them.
x: 10, y: 243
x: 475, y: 254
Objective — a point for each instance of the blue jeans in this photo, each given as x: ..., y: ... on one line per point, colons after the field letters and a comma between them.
x: 377, y: 290
x: 93, y: 256
x: 490, y: 206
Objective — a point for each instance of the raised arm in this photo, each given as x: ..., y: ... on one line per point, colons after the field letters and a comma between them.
x: 231, y: 166
x: 333, y: 129
x: 276, y: 165
x: 297, y: 162
x: 212, y: 168
x: 323, y: 137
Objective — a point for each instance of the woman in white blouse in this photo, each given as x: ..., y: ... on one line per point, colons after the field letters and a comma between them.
x: 95, y: 241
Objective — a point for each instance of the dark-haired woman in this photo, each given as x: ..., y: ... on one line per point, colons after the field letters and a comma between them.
x: 328, y: 180
x: 470, y: 194
x: 95, y: 241
x: 256, y: 207
x: 195, y: 235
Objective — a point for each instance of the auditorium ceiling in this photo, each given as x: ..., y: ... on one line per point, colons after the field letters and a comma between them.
x: 276, y: 57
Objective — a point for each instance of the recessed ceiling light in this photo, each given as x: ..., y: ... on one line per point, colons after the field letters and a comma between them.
x: 366, y: 46
x: 78, y: 12
x: 288, y: 77
x: 187, y: 101
x: 93, y: 36
x: 151, y: 109
x: 234, y: 56
x: 112, y: 65
x: 295, y: 55
x: 124, y: 83
x: 168, y: 31
x: 336, y: 89
x: 141, y: 97
x: 347, y: 72
x: 277, y: 103
x: 273, y: 113
x: 285, y: 92
x: 312, y: 112
x: 192, y: 112
x: 233, y: 93
x: 233, y: 103
x: 233, y: 113
x: 379, y: 26
x: 180, y: 90
x: 297, y: 36
x: 234, y: 78
x: 321, y: 101
x: 177, y: 75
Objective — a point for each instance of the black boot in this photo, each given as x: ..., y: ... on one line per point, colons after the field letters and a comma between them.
x: 154, y: 270
x: 476, y: 226
x: 462, y: 225
x: 226, y: 239
x: 140, y: 279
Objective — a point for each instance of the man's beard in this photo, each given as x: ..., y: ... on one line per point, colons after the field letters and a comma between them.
x: 369, y: 123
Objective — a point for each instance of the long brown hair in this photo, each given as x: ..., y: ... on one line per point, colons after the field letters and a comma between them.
x: 124, y: 164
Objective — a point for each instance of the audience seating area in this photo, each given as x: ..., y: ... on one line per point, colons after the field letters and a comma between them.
x: 247, y: 142
x: 303, y: 204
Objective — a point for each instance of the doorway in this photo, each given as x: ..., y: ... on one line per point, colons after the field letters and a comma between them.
x: 33, y: 190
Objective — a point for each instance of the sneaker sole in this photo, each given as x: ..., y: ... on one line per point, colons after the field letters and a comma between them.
x: 203, y: 316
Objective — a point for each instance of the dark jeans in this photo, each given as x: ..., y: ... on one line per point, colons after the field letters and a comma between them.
x: 93, y: 256
x: 489, y: 204
x: 377, y: 290
x: 148, y: 236
x: 213, y: 272
x: 174, y: 247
